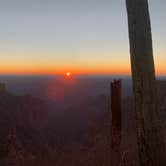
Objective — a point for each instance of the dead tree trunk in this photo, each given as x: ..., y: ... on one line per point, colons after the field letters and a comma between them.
x: 116, y: 113
x: 116, y: 120
x: 150, y: 144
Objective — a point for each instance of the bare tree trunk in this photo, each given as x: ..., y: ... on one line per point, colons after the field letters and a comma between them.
x: 116, y: 113
x: 150, y: 144
x: 116, y: 120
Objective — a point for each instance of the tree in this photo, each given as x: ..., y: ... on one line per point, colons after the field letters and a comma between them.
x: 150, y: 144
x: 116, y: 120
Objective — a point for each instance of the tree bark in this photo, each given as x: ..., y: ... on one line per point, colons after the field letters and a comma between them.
x: 116, y: 120
x: 150, y: 144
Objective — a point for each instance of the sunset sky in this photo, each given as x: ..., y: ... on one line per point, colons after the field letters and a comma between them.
x: 79, y: 36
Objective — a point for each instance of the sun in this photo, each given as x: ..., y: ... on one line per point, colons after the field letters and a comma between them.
x: 68, y: 74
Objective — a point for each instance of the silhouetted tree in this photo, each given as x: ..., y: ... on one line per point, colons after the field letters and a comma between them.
x: 116, y: 120
x: 150, y: 143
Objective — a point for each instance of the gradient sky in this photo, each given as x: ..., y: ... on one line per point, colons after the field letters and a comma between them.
x: 81, y: 36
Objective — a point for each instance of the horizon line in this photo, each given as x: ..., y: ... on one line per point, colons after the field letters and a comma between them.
x: 81, y: 74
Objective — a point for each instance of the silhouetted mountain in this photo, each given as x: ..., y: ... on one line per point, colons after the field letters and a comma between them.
x: 30, y: 129
x: 40, y: 129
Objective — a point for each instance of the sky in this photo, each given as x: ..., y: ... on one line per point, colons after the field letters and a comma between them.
x: 78, y: 36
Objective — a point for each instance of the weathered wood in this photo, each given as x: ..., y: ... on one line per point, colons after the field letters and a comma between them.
x: 150, y: 143
x: 116, y: 113
x: 116, y: 120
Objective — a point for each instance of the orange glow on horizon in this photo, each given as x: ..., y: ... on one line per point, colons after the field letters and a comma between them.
x: 95, y: 65
x: 125, y: 70
x: 61, y: 72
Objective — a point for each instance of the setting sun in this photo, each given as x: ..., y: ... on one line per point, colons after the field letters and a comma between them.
x: 68, y: 74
